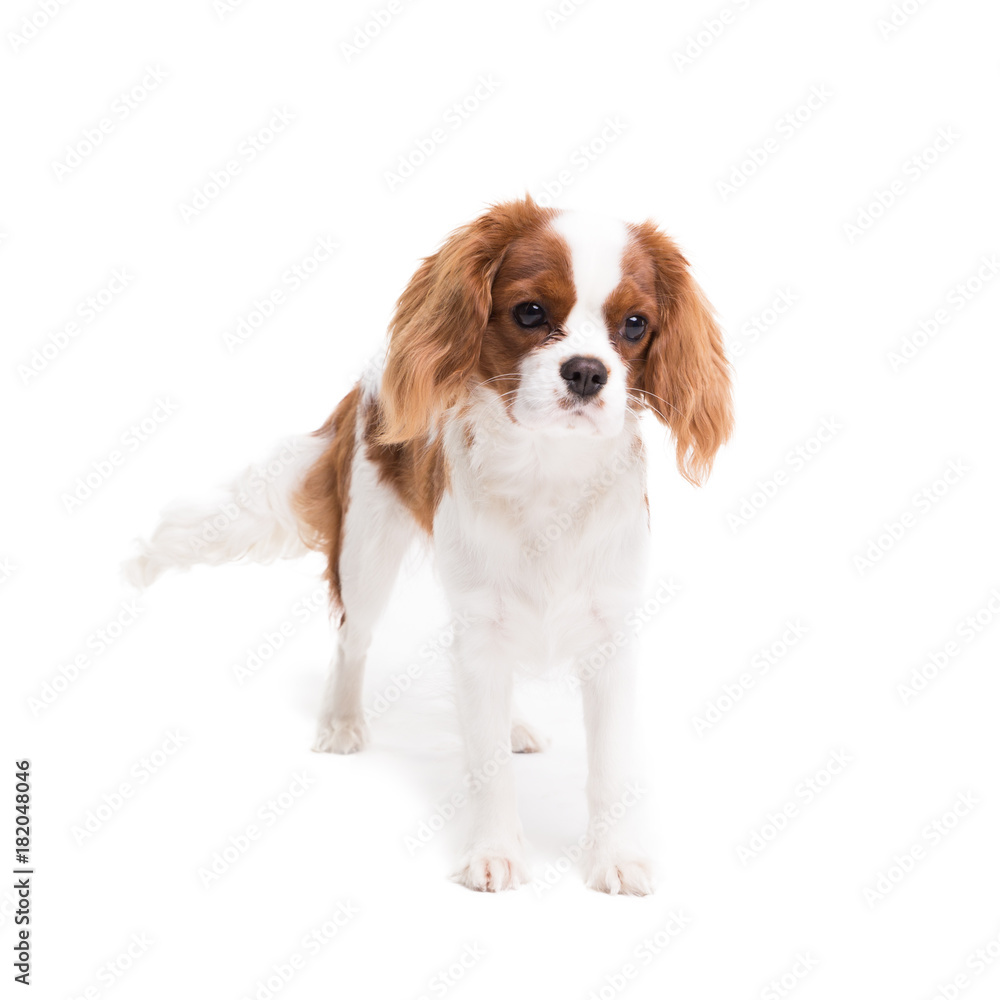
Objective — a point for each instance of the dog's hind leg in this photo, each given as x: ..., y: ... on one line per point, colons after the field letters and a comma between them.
x: 377, y: 532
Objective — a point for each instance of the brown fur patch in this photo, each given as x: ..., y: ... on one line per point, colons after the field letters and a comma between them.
x: 321, y: 501
x: 536, y: 268
x: 680, y: 370
x: 436, y: 346
x: 636, y: 294
x: 415, y: 470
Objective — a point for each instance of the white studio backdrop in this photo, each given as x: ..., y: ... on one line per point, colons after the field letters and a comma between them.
x: 208, y: 211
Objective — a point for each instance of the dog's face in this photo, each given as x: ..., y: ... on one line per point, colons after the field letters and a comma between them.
x: 558, y: 346
x: 572, y: 320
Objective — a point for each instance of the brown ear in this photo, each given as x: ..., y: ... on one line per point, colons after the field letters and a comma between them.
x: 686, y: 379
x: 436, y: 332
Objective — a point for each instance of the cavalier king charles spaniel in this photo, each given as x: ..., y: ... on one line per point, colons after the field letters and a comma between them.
x: 503, y: 423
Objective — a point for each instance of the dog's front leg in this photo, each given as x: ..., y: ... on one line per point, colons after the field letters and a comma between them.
x: 614, y: 862
x: 484, y: 682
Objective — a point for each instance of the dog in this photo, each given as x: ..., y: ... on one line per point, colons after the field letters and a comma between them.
x: 503, y: 422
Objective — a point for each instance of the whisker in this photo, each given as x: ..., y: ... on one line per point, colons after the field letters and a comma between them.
x: 641, y: 394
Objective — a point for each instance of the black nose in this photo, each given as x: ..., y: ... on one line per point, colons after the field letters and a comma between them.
x: 584, y: 376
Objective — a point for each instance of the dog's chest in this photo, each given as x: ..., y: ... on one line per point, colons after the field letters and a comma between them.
x: 550, y: 537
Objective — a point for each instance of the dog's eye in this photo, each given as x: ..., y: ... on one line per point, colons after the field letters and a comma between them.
x: 529, y: 315
x: 634, y: 327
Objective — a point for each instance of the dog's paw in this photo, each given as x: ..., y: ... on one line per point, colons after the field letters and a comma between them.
x: 523, y: 739
x: 620, y: 874
x: 492, y: 870
x: 341, y: 737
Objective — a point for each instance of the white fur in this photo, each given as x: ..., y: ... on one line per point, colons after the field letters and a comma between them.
x: 251, y: 517
x: 540, y: 542
x: 377, y: 532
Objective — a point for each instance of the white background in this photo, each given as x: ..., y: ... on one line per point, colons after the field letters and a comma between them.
x: 781, y: 234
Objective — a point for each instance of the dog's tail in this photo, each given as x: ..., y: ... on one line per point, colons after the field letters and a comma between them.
x: 252, y: 517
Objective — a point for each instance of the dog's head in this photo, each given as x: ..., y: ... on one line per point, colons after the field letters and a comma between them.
x: 572, y: 319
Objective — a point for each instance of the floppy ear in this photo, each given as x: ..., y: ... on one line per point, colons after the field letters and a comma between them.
x: 437, y: 330
x: 686, y: 377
